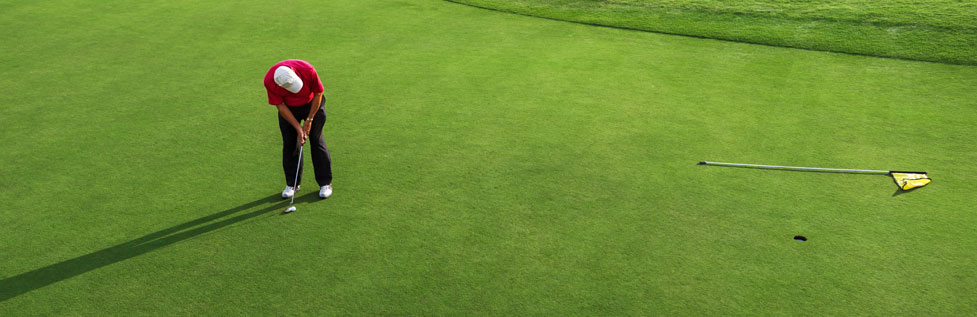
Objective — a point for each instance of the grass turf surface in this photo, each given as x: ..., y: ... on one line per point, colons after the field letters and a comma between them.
x: 486, y: 163
x: 930, y: 30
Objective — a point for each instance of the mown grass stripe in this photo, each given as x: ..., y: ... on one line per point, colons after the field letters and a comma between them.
x: 936, y: 31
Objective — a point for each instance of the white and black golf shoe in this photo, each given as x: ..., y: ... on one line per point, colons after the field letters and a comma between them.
x: 325, y: 191
x: 290, y: 191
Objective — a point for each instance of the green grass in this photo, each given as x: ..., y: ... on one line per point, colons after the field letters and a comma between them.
x: 931, y: 30
x: 486, y: 164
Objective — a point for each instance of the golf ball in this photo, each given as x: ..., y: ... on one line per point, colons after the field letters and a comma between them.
x: 290, y: 209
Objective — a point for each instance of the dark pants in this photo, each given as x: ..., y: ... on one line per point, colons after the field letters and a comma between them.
x: 321, y: 162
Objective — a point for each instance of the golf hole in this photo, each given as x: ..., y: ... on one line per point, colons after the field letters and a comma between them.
x: 800, y: 238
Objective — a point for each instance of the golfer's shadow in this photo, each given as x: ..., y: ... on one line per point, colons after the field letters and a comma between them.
x: 25, y: 282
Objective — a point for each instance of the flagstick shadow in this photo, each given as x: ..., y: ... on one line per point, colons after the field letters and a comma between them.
x: 25, y: 282
x: 900, y: 191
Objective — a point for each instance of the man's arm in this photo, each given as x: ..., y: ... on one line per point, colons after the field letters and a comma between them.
x: 283, y: 110
x: 316, y: 101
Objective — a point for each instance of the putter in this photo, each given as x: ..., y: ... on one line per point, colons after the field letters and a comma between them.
x: 297, y: 168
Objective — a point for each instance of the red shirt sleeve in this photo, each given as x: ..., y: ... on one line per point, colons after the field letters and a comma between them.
x: 315, y: 84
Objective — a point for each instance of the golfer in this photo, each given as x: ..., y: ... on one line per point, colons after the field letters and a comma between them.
x: 295, y: 89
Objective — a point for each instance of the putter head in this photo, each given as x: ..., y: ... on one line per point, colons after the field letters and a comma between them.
x: 290, y: 209
x: 702, y: 163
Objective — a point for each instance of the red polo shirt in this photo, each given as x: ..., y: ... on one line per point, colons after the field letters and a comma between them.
x: 310, y: 84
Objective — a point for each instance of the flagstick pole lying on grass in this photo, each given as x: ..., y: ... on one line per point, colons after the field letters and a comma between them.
x: 797, y: 168
x: 905, y: 179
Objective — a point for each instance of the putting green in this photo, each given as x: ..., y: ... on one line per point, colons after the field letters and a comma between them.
x: 485, y: 163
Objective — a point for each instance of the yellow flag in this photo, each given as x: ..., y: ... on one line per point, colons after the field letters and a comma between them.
x: 910, y: 180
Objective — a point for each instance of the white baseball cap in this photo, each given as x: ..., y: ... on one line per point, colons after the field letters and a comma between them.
x: 288, y: 79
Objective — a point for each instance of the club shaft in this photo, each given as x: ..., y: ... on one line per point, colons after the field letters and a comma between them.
x: 296, y: 181
x: 796, y: 168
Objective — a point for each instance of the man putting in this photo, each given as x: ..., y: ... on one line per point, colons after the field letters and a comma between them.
x: 295, y: 89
